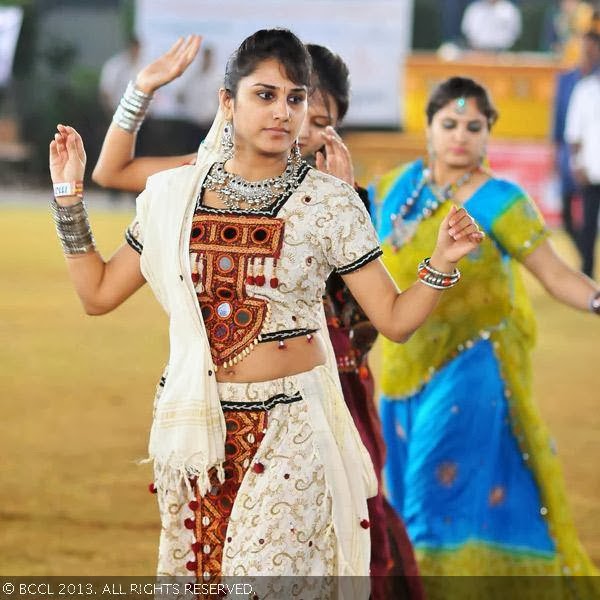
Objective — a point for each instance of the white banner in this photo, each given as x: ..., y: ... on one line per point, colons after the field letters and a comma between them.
x: 10, y: 26
x: 372, y: 36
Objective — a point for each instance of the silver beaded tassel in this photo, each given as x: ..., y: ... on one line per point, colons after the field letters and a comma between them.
x: 132, y: 109
x: 73, y: 228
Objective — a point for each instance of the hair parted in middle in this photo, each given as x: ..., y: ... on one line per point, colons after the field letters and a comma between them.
x: 279, y: 44
x: 461, y: 87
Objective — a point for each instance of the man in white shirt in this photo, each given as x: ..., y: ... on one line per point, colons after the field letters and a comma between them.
x: 199, y: 98
x: 491, y: 24
x: 582, y: 132
x: 116, y: 73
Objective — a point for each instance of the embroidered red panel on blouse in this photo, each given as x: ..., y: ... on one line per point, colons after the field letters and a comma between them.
x: 223, y: 248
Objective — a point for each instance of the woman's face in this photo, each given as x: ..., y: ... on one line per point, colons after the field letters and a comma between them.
x: 322, y: 111
x: 267, y: 111
x: 458, y: 134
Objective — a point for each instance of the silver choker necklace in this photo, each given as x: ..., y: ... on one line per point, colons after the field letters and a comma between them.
x: 238, y: 193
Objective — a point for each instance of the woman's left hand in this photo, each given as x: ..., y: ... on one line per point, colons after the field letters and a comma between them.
x: 67, y: 155
x: 458, y: 235
x: 337, y: 160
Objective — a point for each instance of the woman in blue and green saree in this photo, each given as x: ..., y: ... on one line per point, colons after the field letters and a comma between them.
x: 470, y: 465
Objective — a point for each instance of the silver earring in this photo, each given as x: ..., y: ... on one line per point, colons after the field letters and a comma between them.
x: 430, y: 151
x: 227, y: 141
x: 296, y: 155
x: 483, y: 157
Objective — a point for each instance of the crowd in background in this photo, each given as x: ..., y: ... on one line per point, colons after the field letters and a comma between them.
x: 570, y: 28
x: 179, y: 118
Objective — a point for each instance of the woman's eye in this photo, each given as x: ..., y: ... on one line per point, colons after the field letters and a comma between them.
x: 320, y: 124
x: 265, y: 95
x: 296, y: 99
x: 448, y: 124
x: 474, y: 126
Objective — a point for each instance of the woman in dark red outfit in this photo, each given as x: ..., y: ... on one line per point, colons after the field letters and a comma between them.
x: 351, y: 333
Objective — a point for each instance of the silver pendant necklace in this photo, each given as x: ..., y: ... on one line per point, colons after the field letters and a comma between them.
x: 402, y: 229
x: 238, y: 193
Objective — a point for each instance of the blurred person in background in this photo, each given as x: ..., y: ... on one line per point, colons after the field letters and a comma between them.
x: 10, y: 27
x: 451, y: 14
x: 589, y: 61
x: 350, y: 331
x: 470, y: 465
x: 116, y: 73
x: 199, y: 98
x: 582, y: 132
x: 491, y: 25
x: 565, y: 21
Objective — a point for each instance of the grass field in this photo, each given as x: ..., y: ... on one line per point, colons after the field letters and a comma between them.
x: 77, y: 401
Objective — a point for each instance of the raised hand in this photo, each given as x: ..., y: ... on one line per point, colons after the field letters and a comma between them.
x: 458, y: 235
x: 337, y: 160
x: 67, y: 156
x: 170, y: 65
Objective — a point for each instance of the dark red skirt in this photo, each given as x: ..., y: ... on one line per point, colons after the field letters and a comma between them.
x: 394, y: 570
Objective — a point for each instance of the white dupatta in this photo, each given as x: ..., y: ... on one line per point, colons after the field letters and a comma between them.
x: 187, y: 438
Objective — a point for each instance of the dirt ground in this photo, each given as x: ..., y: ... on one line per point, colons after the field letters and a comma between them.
x: 77, y: 400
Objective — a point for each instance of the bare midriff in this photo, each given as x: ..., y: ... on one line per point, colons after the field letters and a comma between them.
x: 270, y: 360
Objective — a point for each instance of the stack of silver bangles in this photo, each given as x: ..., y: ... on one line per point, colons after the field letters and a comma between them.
x: 132, y: 109
x: 73, y: 227
x: 436, y: 279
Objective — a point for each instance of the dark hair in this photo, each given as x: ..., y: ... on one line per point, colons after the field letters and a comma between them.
x: 592, y: 36
x: 279, y: 44
x: 461, y: 87
x: 331, y: 76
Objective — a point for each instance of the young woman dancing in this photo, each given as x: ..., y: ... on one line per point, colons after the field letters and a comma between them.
x: 471, y: 468
x: 350, y: 331
x: 259, y: 468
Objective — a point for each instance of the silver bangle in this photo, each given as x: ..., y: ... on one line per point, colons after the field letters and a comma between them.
x: 436, y: 279
x: 132, y: 109
x: 73, y: 227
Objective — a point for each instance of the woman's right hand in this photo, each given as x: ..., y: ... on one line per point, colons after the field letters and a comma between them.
x: 336, y: 160
x: 169, y: 66
x: 67, y: 156
x: 458, y: 235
